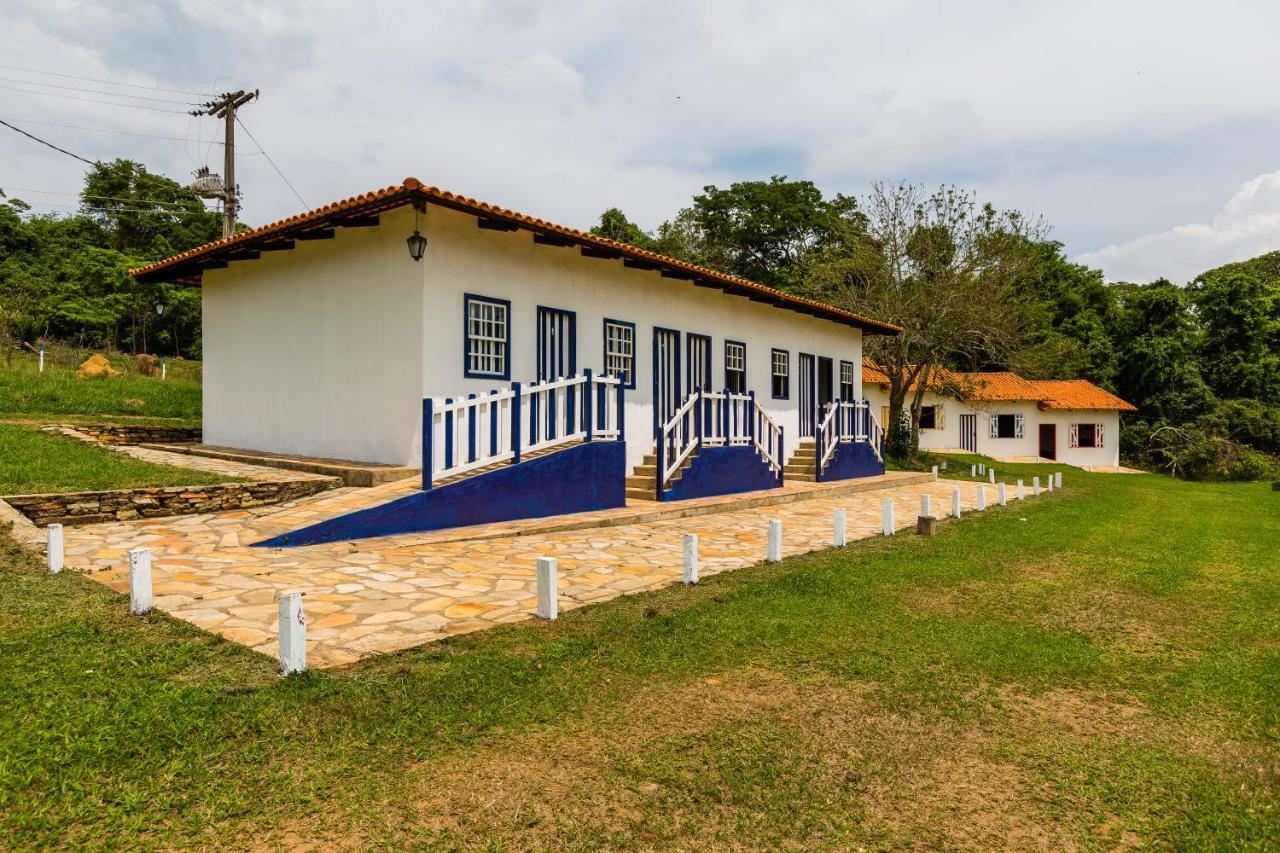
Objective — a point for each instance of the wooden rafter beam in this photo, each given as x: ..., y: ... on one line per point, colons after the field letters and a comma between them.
x: 600, y: 252
x: 317, y: 234
x: 278, y: 246
x: 551, y: 240
x: 495, y: 224
x: 635, y: 264
x: 359, y: 221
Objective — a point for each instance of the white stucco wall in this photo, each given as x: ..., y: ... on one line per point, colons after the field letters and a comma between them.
x: 948, y: 437
x: 463, y: 258
x: 318, y: 350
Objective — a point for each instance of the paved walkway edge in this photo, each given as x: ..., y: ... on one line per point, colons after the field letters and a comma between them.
x: 665, y: 511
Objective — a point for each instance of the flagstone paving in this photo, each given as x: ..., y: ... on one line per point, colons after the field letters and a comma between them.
x: 394, y: 592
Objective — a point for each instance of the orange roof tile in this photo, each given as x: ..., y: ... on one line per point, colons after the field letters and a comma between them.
x: 1078, y: 394
x: 994, y: 386
x: 187, y: 267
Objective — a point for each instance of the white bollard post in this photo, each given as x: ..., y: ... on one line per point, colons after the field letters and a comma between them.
x: 53, y: 546
x: 1021, y: 492
x: 840, y: 529
x: 935, y: 472
x: 164, y: 370
x: 548, y: 589
x: 955, y: 502
x: 690, y: 559
x: 140, y: 581
x: 41, y: 358
x: 775, y: 541
x: 1000, y: 494
x: 1050, y: 483
x: 991, y: 475
x: 982, y: 498
x: 1035, y: 486
x: 982, y: 469
x: 886, y: 518
x: 926, y: 506
x: 973, y: 470
x: 1058, y: 477
x: 293, y: 634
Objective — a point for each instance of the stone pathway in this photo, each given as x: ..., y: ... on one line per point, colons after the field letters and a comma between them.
x: 390, y: 593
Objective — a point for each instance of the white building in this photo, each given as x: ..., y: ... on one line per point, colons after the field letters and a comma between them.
x: 1006, y: 417
x: 323, y: 335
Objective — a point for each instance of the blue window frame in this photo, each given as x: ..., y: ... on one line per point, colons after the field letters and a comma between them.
x: 486, y: 337
x: 735, y: 367
x: 620, y: 351
x: 780, y: 383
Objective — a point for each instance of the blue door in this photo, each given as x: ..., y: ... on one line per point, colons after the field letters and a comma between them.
x: 557, y: 343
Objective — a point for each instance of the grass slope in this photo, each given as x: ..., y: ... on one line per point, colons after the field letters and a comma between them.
x: 27, y: 393
x: 1098, y: 668
x: 34, y: 462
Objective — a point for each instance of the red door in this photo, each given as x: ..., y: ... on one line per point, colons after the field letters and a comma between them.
x: 1049, y: 441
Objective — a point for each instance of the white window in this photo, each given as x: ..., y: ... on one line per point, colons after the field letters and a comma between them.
x: 1006, y: 426
x: 620, y: 351
x: 735, y: 367
x: 846, y: 381
x: 487, y: 337
x: 781, y: 374
x: 1086, y: 435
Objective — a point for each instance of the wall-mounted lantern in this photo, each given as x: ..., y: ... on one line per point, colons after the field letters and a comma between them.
x: 417, y: 243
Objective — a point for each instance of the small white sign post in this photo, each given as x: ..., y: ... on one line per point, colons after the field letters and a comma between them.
x: 839, y: 529
x: 991, y: 475
x: 1035, y: 486
x: 1050, y: 483
x: 982, y: 498
x: 54, y: 548
x: 1022, y: 493
x: 41, y: 358
x: 955, y: 502
x: 1058, y: 477
x: 1000, y: 494
x: 140, y: 581
x: 775, y: 541
x: 690, y: 559
x: 164, y: 370
x: 886, y: 518
x: 548, y: 592
x: 935, y: 472
x: 982, y: 469
x: 926, y: 506
x: 973, y: 470
x: 293, y: 634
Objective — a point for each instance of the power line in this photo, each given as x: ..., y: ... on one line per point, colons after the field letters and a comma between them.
x: 96, y: 197
x: 85, y: 91
x: 100, y: 129
x: 272, y: 162
x: 49, y: 144
x: 117, y: 209
x: 94, y: 101
x: 107, y: 82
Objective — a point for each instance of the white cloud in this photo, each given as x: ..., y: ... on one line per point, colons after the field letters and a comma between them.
x: 1248, y: 225
x: 1100, y: 116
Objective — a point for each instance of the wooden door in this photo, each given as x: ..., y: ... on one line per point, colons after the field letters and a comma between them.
x: 557, y: 343
x: 1049, y: 441
x: 666, y: 375
x: 969, y: 433
x: 808, y: 392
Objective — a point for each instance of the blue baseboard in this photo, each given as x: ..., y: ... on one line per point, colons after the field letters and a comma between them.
x: 580, y: 478
x: 852, y: 459
x: 723, y: 471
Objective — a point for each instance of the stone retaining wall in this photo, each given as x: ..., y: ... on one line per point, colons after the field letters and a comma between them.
x: 137, y: 434
x: 123, y: 504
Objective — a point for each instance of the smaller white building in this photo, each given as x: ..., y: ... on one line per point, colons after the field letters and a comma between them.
x: 1009, y: 418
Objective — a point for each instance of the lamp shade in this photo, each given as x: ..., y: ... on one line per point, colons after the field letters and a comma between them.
x: 417, y: 245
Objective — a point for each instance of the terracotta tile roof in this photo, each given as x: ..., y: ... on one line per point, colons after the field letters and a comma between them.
x: 187, y: 267
x: 994, y: 386
x: 1078, y: 394
x: 872, y: 372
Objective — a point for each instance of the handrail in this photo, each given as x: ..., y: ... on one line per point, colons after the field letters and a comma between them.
x: 716, y: 419
x: 847, y: 421
x: 465, y: 434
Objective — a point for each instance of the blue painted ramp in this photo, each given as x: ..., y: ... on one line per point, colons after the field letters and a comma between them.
x: 580, y: 478
x: 852, y: 459
x: 723, y: 471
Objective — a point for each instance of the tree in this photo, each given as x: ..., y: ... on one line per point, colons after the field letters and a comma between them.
x: 614, y: 225
x: 146, y: 214
x: 1237, y: 316
x: 1157, y: 340
x: 939, y: 265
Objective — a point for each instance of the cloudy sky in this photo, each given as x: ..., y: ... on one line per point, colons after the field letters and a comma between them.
x: 1146, y: 133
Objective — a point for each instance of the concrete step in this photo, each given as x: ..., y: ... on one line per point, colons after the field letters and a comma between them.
x: 641, y: 483
x: 641, y: 495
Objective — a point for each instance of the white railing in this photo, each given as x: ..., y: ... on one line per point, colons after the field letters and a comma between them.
x: 473, y: 432
x: 716, y: 419
x: 844, y: 421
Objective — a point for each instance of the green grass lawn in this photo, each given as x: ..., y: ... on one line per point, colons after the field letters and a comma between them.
x: 1098, y: 668
x: 25, y: 393
x: 33, y: 462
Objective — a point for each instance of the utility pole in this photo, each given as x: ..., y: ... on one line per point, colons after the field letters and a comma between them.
x: 224, y: 107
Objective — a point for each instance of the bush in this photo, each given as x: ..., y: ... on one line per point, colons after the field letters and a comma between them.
x: 1200, y: 452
